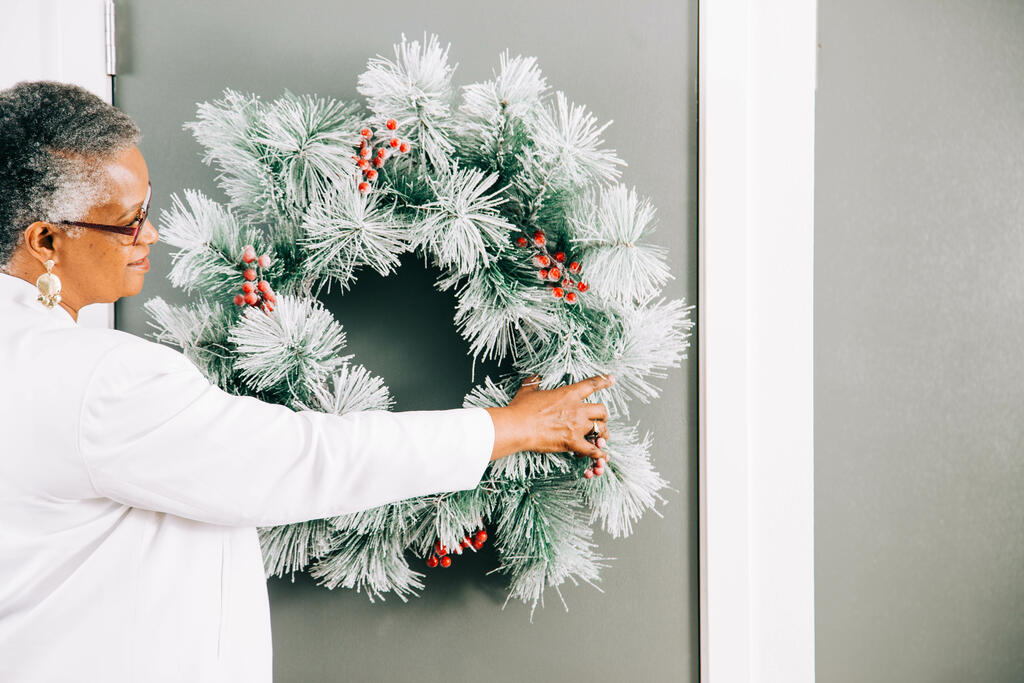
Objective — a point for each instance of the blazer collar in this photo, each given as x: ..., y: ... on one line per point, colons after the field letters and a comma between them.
x: 18, y: 292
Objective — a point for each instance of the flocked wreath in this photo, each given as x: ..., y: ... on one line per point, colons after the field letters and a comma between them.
x: 510, y: 193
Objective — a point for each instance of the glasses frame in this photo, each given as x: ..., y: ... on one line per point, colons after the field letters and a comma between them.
x: 133, y: 228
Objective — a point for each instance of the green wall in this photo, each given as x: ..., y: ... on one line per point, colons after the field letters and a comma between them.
x: 919, y: 378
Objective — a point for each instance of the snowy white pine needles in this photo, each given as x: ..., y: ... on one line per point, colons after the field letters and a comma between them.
x: 295, y: 348
x: 414, y: 89
x: 461, y: 227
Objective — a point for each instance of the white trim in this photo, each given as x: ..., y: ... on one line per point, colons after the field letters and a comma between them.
x: 755, y: 337
x: 59, y: 40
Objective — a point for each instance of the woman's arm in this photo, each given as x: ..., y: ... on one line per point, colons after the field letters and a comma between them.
x: 155, y: 433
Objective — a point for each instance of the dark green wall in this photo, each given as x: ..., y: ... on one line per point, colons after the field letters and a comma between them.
x: 919, y: 375
x: 634, y: 63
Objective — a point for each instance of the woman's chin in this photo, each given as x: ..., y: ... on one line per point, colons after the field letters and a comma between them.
x: 133, y: 284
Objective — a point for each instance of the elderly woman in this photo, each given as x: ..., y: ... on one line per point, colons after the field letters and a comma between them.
x: 130, y: 486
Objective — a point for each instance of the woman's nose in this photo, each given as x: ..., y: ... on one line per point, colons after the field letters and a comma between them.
x: 149, y: 233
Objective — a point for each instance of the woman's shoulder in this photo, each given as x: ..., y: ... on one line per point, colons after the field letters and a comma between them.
x: 85, y: 352
x: 100, y: 343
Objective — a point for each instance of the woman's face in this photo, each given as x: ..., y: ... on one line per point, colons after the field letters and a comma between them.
x: 100, y: 266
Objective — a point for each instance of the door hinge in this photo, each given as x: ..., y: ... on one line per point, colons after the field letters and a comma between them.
x: 108, y: 31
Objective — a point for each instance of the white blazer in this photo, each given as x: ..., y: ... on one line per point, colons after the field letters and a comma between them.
x: 131, y: 488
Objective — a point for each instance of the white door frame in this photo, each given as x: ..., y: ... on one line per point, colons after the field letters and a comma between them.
x: 755, y: 244
x: 757, y: 70
x: 58, y: 40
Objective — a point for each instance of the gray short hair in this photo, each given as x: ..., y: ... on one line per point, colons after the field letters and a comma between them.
x: 53, y: 139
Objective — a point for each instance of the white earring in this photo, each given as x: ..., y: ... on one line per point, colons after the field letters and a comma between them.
x: 48, y: 285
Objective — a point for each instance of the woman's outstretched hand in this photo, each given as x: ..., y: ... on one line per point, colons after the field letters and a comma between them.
x: 551, y: 420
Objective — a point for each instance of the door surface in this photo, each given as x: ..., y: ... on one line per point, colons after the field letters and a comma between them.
x: 633, y: 63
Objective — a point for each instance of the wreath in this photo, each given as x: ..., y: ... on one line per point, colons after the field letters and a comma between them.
x: 510, y: 193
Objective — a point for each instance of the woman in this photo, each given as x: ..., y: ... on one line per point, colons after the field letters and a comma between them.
x: 131, y: 487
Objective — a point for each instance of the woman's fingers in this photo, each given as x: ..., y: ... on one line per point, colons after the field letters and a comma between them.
x: 596, y: 411
x: 552, y: 407
x: 595, y: 448
x: 531, y: 383
x: 586, y: 387
x: 584, y: 449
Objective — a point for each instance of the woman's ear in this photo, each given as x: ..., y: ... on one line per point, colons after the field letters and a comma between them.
x: 39, y: 240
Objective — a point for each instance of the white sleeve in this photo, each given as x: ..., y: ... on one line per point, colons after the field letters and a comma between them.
x: 154, y: 433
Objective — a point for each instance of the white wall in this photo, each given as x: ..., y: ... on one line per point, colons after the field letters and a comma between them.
x: 59, y: 40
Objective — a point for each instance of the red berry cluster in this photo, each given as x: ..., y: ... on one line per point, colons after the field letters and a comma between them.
x: 369, y: 159
x: 551, y: 269
x: 255, y: 290
x: 441, y: 557
x: 595, y: 469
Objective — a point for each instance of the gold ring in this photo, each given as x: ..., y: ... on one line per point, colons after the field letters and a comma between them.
x: 595, y: 431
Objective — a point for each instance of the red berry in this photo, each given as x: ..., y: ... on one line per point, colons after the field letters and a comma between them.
x: 251, y: 298
x: 583, y: 286
x: 403, y: 148
x: 249, y: 274
x: 558, y: 292
x: 439, y: 548
x: 248, y: 287
x: 574, y: 266
x: 555, y: 273
x: 378, y: 162
x: 370, y: 174
x: 239, y: 299
x: 480, y: 536
x: 541, y: 260
x: 364, y: 153
x: 363, y: 163
x: 543, y: 273
x: 391, y: 124
x: 589, y: 474
x: 567, y: 283
x: 263, y: 286
x: 269, y: 296
x: 446, y: 561
x: 467, y: 541
x: 394, y: 142
x: 521, y: 242
x: 366, y: 132
x: 248, y: 254
x: 364, y: 186
x: 264, y: 261
x: 382, y: 153
x: 432, y: 561
x: 570, y: 297
x: 478, y: 544
x: 560, y: 256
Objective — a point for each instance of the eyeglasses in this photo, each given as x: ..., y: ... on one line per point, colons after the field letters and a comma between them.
x: 132, y: 228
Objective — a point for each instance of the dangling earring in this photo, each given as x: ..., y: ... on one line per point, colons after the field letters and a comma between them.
x: 48, y: 285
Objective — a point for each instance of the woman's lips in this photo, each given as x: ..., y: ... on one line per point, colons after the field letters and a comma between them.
x: 141, y: 264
